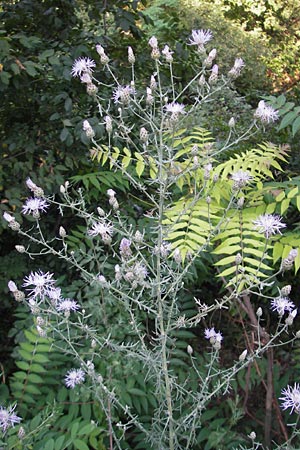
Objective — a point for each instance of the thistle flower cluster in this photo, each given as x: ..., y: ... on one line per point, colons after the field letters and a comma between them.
x: 40, y: 287
x: 83, y: 68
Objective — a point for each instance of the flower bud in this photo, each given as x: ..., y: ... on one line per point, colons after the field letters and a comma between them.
x: 298, y: 334
x: 259, y: 312
x: 101, y: 212
x: 91, y: 89
x: 190, y: 350
x: 108, y: 124
x: 214, y: 74
x: 155, y: 54
x: 153, y: 84
x: 195, y: 150
x: 14, y: 225
x: 41, y: 331
x: 215, y: 177
x: 110, y: 193
x: 21, y: 433
x: 240, y: 202
x: 20, y: 248
x: 131, y: 57
x: 231, y: 122
x: 12, y: 286
x: 286, y: 290
x: 88, y: 129
x: 201, y: 80
x: 62, y: 232
x: 40, y: 321
x: 19, y: 296
x: 177, y: 256
x: 252, y: 435
x: 138, y: 237
x: 243, y: 355
x: 144, y: 135
x: 238, y: 259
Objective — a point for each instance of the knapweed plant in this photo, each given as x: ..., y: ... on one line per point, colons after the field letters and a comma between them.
x: 158, y: 362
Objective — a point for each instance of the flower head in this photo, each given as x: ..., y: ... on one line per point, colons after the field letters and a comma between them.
x: 212, y: 335
x: 74, y: 377
x: 8, y: 418
x: 123, y: 94
x: 67, y: 305
x: 266, y: 113
x: 200, y: 38
x: 163, y: 250
x: 125, y: 250
x: 41, y: 283
x: 140, y: 271
x: 237, y: 67
x: 268, y: 224
x: 241, y: 178
x: 291, y: 398
x: 30, y: 184
x: 175, y: 108
x: 167, y: 54
x: 81, y: 66
x: 12, y: 286
x: 8, y: 217
x: 101, y: 228
x: 34, y: 206
x: 281, y: 305
x: 54, y: 294
x: 86, y: 126
x: 153, y: 42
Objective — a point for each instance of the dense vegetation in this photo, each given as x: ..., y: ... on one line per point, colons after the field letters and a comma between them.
x: 42, y: 111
